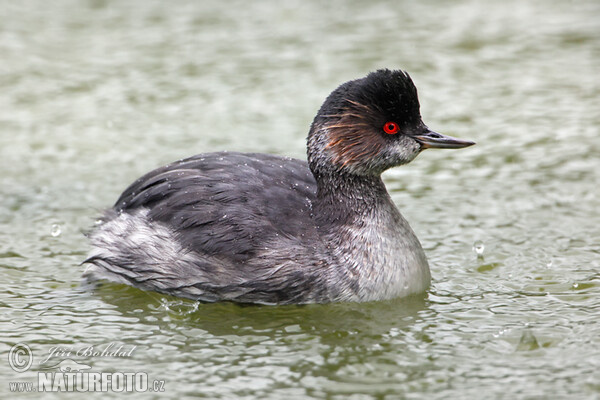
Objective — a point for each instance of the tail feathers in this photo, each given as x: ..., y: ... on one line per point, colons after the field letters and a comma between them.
x: 100, y: 269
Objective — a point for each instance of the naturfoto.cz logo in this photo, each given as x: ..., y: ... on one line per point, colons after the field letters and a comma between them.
x: 69, y: 375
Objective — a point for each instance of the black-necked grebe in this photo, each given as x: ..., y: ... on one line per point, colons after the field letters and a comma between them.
x: 260, y: 228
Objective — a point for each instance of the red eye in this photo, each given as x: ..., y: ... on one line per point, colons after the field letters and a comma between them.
x: 391, y: 128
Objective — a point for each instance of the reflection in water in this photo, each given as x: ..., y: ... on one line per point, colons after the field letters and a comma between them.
x: 368, y: 319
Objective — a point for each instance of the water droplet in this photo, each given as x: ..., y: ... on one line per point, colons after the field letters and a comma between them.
x: 501, y: 333
x: 478, y: 248
x: 55, y: 230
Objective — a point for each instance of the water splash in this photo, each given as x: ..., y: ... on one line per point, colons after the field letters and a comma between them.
x: 179, y: 307
x: 528, y: 341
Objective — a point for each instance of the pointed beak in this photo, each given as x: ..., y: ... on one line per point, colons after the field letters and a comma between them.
x: 434, y: 140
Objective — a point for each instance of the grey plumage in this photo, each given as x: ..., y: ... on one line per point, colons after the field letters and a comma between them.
x: 266, y: 229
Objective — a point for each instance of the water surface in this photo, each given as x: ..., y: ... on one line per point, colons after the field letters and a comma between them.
x: 95, y: 93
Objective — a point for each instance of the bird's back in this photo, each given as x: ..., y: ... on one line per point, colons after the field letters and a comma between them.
x: 227, y: 203
x: 208, y: 222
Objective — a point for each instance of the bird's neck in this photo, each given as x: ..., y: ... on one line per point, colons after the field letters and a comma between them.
x: 342, y: 198
x: 373, y: 244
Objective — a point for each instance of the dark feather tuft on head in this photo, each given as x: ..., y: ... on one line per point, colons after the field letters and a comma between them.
x: 349, y: 125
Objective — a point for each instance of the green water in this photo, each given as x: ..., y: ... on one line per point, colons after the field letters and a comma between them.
x: 95, y: 93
